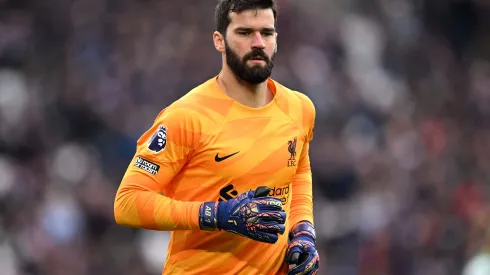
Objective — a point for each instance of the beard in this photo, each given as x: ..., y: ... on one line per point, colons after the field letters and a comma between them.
x: 251, y: 74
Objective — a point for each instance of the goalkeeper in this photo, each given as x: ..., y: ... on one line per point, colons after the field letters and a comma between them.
x: 226, y: 167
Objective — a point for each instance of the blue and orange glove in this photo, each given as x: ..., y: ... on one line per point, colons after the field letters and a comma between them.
x: 253, y: 214
x: 302, y: 256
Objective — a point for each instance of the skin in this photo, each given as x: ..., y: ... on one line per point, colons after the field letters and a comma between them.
x: 248, y: 30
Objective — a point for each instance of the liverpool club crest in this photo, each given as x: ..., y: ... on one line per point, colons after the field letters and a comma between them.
x: 292, y: 152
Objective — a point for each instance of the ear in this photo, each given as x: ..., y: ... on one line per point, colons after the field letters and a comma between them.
x: 275, y: 47
x: 219, y: 42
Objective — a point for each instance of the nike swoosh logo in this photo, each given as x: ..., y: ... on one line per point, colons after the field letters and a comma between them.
x: 219, y: 159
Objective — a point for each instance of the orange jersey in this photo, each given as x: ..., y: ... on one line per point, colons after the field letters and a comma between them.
x: 208, y: 147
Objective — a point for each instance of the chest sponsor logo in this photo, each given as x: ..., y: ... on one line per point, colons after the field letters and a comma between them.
x: 281, y: 193
x: 229, y: 192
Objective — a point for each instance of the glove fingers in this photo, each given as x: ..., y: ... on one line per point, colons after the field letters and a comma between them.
x: 293, y: 255
x: 268, y: 203
x: 261, y: 191
x: 253, y: 214
x: 294, y: 258
x: 275, y: 216
x: 296, y: 272
x: 303, y: 257
x: 314, y: 263
x: 308, y: 266
x: 267, y: 237
x: 273, y: 228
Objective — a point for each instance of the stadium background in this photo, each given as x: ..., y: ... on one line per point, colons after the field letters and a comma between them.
x: 401, y: 156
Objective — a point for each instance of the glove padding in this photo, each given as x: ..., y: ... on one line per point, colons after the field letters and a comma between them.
x: 252, y: 214
x: 302, y: 256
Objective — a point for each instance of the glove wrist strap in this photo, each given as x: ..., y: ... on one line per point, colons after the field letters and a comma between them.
x: 303, y: 228
x: 208, y: 216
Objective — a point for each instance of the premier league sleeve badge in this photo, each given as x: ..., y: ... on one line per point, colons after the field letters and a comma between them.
x: 158, y: 141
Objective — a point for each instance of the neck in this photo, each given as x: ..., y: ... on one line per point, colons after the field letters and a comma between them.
x: 251, y: 95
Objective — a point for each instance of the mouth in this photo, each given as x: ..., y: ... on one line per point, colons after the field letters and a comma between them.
x: 259, y: 62
x: 257, y: 58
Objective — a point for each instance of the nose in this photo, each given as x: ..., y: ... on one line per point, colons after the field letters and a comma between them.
x: 257, y: 41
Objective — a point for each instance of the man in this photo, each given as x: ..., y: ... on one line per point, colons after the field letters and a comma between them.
x: 225, y: 168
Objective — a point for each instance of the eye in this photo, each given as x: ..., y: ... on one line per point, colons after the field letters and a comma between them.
x: 267, y: 34
x: 243, y: 33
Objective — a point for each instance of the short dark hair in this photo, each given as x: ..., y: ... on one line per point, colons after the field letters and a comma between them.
x: 224, y: 7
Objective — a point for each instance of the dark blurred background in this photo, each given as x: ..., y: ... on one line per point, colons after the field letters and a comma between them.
x: 401, y: 155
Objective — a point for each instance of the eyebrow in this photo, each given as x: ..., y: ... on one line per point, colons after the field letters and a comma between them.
x: 251, y: 29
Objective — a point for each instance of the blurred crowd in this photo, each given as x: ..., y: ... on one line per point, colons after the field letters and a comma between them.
x: 400, y: 158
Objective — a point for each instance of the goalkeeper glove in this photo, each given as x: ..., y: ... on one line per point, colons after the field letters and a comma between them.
x: 252, y: 214
x: 302, y: 255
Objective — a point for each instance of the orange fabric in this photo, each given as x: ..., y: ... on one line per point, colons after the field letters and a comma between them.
x: 202, y: 125
x: 302, y: 201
